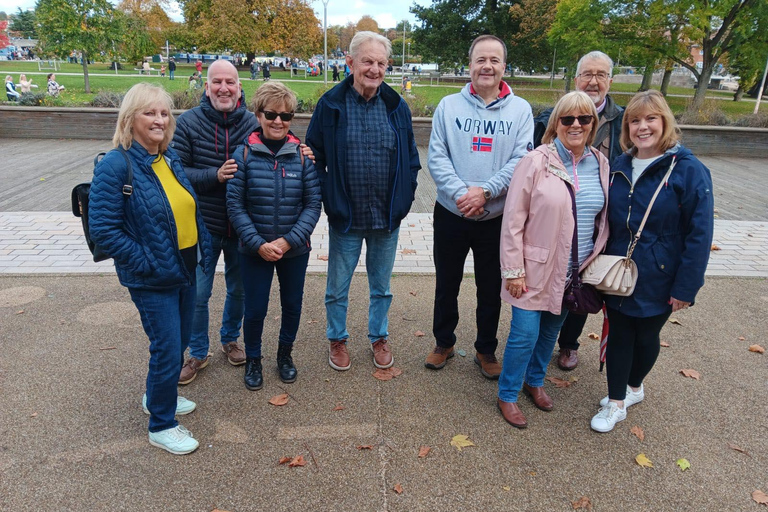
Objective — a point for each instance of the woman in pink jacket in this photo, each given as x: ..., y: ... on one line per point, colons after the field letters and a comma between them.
x: 536, y: 237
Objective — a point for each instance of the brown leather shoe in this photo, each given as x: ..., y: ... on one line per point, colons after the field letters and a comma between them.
x: 540, y: 397
x: 512, y: 414
x: 438, y: 357
x: 568, y: 359
x: 190, y: 369
x: 235, y: 353
x: 489, y: 365
x: 382, y: 353
x: 338, y: 357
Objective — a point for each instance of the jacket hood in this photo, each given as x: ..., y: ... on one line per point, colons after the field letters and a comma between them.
x: 255, y: 143
x: 223, y: 118
x: 505, y: 95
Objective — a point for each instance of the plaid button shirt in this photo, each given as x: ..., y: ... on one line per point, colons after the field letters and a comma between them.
x: 370, y: 161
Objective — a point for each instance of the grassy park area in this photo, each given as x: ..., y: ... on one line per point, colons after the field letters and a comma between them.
x: 719, y: 108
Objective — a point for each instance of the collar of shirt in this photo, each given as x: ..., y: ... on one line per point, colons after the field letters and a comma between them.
x: 359, y: 97
x: 602, y: 106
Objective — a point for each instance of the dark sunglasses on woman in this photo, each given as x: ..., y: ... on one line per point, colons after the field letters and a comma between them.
x: 284, y: 116
x: 568, y: 120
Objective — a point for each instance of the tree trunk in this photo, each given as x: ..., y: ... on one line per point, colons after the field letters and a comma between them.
x: 738, y: 94
x: 85, y: 73
x: 647, y: 77
x: 666, y: 78
x: 701, y: 88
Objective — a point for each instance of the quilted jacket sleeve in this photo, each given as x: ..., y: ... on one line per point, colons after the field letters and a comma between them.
x: 237, y: 206
x: 203, y: 179
x: 301, y: 232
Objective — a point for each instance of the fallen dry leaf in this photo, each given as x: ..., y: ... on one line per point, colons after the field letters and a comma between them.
x: 322, y: 257
x: 638, y: 432
x: 297, y: 461
x: 339, y: 407
x: 674, y: 321
x: 573, y: 379
x: 311, y: 321
x: 507, y: 488
x: 461, y: 441
x: 738, y: 449
x: 395, y: 371
x: 284, y: 460
x: 419, y: 334
x: 760, y: 497
x: 691, y: 373
x: 387, y: 373
x: 279, y: 400
x: 364, y: 447
x: 715, y: 248
x: 644, y: 461
x: 532, y: 473
x: 408, y: 251
x: 412, y: 292
x: 33, y: 415
x: 559, y: 383
x: 663, y: 343
x: 742, y: 338
x: 398, y: 489
x: 683, y: 464
x: 219, y: 510
x: 20, y: 312
x: 757, y: 348
x: 424, y: 451
x: 593, y: 336
x: 582, y: 502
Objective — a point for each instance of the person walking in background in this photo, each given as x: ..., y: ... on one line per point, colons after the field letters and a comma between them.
x: 159, y: 243
x: 367, y: 162
x: 199, y: 67
x: 478, y: 136
x: 171, y: 68
x: 274, y: 203
x: 557, y: 198
x: 671, y: 255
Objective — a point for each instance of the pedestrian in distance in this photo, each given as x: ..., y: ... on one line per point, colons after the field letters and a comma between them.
x: 171, y: 68
x: 159, y: 243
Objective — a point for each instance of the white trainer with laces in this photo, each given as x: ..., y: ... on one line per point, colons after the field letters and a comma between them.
x: 183, y: 406
x: 632, y: 397
x: 607, y: 417
x: 177, y: 440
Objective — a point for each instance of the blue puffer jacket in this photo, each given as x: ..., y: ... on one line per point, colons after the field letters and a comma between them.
x: 204, y: 139
x: 327, y: 136
x: 273, y: 196
x: 139, y: 232
x: 673, y: 250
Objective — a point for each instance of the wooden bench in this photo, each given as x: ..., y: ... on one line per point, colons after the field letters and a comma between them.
x: 149, y: 71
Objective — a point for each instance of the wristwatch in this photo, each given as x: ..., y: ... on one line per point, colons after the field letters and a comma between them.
x: 487, y: 194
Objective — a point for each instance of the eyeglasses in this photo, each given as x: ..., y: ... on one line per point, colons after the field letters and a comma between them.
x: 601, y: 77
x: 583, y: 120
x: 271, y: 116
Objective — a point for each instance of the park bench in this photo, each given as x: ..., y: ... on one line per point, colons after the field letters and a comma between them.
x: 149, y: 71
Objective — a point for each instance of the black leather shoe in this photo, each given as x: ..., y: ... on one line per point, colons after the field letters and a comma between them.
x: 253, y: 378
x: 285, y: 365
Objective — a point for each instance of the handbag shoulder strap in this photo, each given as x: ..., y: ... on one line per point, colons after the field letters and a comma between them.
x: 575, y: 242
x: 650, y: 206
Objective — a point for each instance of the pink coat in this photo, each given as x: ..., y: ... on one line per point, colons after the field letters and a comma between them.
x: 537, y: 228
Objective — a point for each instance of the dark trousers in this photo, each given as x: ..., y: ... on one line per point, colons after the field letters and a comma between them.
x: 571, y: 330
x: 454, y: 237
x: 633, y: 346
x: 257, y: 280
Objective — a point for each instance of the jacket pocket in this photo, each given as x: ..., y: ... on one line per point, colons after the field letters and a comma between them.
x: 535, y: 265
x: 665, y: 262
x: 535, y: 253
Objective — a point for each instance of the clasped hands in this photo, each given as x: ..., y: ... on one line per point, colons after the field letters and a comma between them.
x: 471, y: 204
x: 273, y: 251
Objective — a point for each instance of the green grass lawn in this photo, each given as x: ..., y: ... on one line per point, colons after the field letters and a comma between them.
x: 308, y: 89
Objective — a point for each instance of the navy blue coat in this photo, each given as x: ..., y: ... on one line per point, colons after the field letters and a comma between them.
x: 674, y: 247
x: 327, y: 136
x: 140, y: 232
x: 273, y: 196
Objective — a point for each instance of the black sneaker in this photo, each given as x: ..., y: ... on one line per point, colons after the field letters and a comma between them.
x: 253, y: 378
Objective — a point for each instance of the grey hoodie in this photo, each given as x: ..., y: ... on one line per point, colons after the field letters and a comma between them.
x: 474, y: 144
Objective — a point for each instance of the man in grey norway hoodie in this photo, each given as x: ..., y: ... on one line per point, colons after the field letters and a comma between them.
x: 478, y: 136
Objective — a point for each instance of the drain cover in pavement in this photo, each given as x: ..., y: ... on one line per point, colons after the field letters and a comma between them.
x: 20, y: 295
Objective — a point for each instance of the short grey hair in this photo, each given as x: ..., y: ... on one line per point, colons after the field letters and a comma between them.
x: 366, y: 36
x: 596, y: 55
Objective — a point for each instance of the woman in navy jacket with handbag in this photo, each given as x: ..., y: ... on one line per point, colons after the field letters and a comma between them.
x: 157, y: 238
x: 671, y: 255
x: 273, y: 202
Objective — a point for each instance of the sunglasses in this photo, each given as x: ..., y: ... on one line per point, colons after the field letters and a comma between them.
x: 284, y: 116
x: 568, y: 120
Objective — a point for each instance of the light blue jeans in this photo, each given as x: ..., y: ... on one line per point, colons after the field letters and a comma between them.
x: 234, y: 304
x: 532, y: 336
x: 343, y: 255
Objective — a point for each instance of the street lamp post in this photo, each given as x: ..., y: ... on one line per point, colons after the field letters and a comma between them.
x: 761, y: 89
x: 403, y: 66
x: 325, y: 42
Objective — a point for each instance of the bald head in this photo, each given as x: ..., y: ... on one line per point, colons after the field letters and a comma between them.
x: 223, y: 86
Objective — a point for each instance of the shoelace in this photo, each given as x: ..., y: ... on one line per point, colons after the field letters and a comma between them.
x: 607, y: 411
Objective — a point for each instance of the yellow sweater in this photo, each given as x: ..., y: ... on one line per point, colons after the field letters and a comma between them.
x: 183, y: 204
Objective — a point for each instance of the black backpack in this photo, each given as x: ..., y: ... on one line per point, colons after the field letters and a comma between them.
x: 80, y: 199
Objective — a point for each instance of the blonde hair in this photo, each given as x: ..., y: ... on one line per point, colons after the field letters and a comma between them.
x: 575, y: 101
x: 8, y: 78
x: 139, y: 97
x: 650, y: 102
x: 273, y: 93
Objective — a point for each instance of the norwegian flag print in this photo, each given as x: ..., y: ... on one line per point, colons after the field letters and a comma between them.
x: 482, y: 144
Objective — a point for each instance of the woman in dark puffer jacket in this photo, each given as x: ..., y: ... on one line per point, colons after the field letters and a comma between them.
x: 273, y: 202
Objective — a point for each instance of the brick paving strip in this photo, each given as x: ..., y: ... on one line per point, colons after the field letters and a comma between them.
x: 53, y: 243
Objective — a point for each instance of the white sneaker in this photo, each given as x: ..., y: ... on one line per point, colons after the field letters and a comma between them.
x: 183, y: 406
x: 632, y: 397
x: 177, y: 440
x: 607, y: 417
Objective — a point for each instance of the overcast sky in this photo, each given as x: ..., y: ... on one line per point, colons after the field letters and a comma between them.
x: 386, y: 12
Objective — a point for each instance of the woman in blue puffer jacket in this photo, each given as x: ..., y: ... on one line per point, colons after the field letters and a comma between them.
x: 157, y: 238
x: 671, y: 254
x: 273, y: 202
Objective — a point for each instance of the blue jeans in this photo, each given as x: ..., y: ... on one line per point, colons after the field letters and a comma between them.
x: 171, y: 72
x: 532, y: 336
x: 257, y: 277
x: 343, y: 255
x: 232, y: 319
x: 167, y: 319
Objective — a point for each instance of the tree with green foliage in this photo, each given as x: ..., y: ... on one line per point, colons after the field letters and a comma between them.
x: 576, y: 30
x: 24, y: 23
x: 528, y: 45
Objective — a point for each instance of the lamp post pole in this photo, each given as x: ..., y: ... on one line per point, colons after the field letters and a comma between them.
x: 403, y: 66
x: 761, y: 89
x: 325, y: 42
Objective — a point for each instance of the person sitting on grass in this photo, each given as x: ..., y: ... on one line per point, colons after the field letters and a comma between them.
x: 53, y: 87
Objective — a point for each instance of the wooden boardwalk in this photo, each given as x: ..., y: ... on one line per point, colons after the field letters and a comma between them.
x: 38, y: 175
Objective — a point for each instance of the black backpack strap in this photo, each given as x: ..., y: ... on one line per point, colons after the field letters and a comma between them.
x: 128, y: 187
